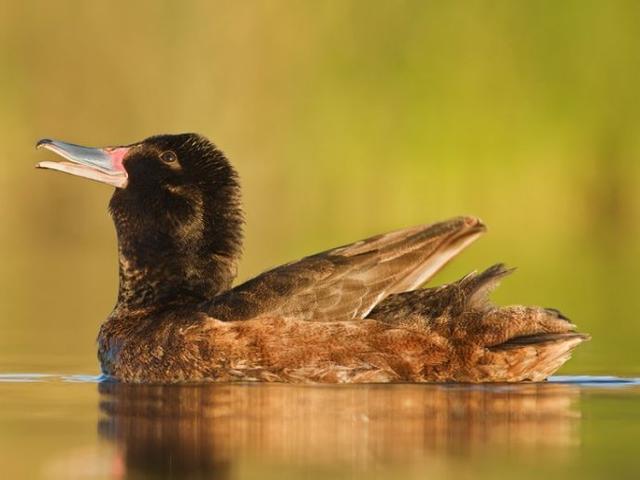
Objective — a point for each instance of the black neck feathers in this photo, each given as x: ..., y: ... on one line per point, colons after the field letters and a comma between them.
x: 180, y: 235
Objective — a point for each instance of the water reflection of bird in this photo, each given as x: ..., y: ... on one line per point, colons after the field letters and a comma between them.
x: 210, y: 431
x: 351, y: 314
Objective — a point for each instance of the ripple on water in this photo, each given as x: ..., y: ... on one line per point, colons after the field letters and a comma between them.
x: 24, y: 377
x: 603, y: 381
x: 47, y: 378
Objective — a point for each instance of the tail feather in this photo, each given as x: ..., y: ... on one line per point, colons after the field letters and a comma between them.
x: 487, y: 342
x: 469, y: 293
x: 478, y: 286
x: 533, y: 358
x: 540, y: 338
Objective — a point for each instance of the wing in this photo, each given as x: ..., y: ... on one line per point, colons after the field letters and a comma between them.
x: 347, y: 282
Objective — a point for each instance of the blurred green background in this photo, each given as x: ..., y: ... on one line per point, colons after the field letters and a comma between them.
x: 344, y: 119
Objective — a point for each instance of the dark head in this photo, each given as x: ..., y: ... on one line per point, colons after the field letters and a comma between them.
x: 177, y: 214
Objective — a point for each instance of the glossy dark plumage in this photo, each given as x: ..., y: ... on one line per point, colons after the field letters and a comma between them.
x: 350, y: 314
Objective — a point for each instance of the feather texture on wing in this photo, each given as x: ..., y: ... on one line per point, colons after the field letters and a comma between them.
x: 347, y: 282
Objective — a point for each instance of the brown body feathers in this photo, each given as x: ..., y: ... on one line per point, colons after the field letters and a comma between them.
x: 349, y: 316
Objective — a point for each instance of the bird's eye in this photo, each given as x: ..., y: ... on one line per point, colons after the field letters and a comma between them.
x: 168, y: 157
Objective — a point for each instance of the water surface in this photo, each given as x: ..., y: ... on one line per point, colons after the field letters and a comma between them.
x: 77, y: 426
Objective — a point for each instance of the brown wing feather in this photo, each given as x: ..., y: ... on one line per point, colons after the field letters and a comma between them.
x: 345, y: 283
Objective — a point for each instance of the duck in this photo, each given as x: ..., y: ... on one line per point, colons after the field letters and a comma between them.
x: 357, y: 313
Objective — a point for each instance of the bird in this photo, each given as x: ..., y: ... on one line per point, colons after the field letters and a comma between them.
x: 351, y: 314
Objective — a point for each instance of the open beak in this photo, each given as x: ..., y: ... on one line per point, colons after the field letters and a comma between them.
x: 100, y: 164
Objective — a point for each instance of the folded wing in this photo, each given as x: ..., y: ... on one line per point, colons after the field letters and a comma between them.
x: 346, y: 283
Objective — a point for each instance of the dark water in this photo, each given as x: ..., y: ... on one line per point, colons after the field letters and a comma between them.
x: 76, y: 426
